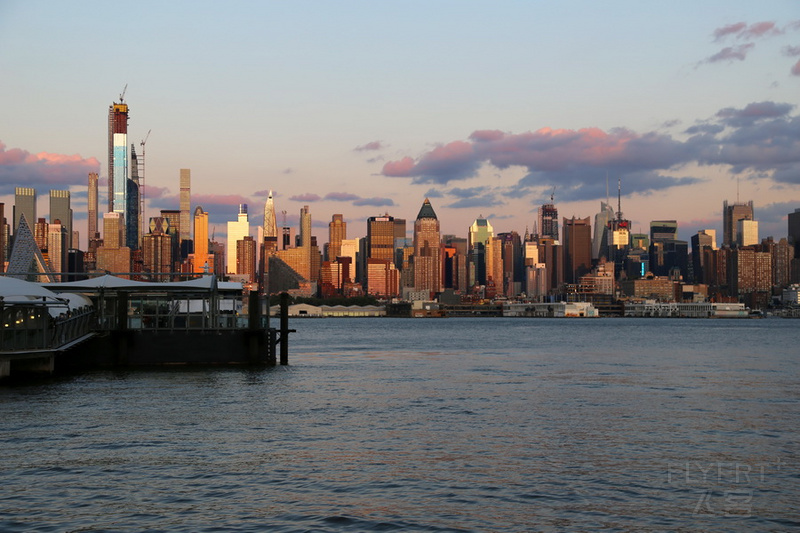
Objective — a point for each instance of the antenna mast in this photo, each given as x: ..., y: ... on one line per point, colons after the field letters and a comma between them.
x: 619, y: 199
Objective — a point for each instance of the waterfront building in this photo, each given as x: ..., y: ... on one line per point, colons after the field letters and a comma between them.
x: 427, y: 250
x: 731, y: 215
x: 577, y: 248
x: 24, y: 204
x: 237, y: 231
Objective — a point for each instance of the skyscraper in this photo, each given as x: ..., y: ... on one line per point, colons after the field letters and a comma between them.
x: 60, y: 210
x: 427, y: 250
x: 380, y: 237
x: 132, y: 205
x: 24, y: 203
x: 270, y: 225
x: 185, y: 223
x: 577, y: 248
x: 202, y: 261
x: 118, y: 157
x: 237, y: 231
x: 548, y: 221
x: 663, y: 230
x: 747, y: 232
x: 92, y: 207
x: 337, y: 232
x: 794, y: 231
x: 478, y: 237
x: 731, y: 214
x: 601, y: 222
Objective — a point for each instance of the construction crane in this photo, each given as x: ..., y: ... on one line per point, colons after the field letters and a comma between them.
x: 122, y: 96
x: 552, y: 194
x: 140, y: 160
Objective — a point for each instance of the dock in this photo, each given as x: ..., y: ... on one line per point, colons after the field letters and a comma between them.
x: 110, y: 322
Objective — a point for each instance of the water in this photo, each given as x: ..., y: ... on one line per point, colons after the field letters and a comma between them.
x: 426, y: 425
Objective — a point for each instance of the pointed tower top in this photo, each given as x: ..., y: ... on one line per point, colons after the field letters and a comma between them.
x: 426, y: 211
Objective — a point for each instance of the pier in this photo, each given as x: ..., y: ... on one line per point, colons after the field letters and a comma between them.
x: 110, y: 322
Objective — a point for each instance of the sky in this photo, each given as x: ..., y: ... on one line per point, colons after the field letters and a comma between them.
x: 365, y: 108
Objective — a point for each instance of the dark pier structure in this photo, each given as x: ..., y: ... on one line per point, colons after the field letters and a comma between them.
x: 127, y: 324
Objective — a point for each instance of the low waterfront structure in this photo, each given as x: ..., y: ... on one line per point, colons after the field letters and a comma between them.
x: 551, y: 310
x: 654, y: 308
x: 318, y: 311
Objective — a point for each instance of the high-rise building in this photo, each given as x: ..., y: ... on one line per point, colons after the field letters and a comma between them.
x: 663, y: 230
x: 237, y: 231
x: 701, y: 243
x: 382, y: 278
x: 185, y: 223
x: 478, y: 237
x: 601, y: 224
x: 577, y: 248
x: 57, y: 248
x: 157, y: 247
x: 548, y: 221
x: 427, y: 250
x: 203, y: 261
x: 92, y: 206
x: 731, y: 215
x: 60, y: 210
x: 337, y: 232
x: 794, y: 231
x: 132, y: 205
x: 380, y: 237
x: 246, y: 257
x: 270, y: 225
x: 113, y: 256
x: 24, y: 203
x: 747, y: 232
x: 118, y: 157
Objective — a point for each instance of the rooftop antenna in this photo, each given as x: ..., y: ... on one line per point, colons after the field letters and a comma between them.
x: 619, y: 198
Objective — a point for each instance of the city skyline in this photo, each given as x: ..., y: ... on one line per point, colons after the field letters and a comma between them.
x: 484, y: 123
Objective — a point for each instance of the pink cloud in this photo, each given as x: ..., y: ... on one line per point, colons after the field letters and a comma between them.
x: 374, y: 145
x: 796, y: 69
x: 307, y: 197
x: 152, y: 192
x: 20, y: 167
x: 760, y: 29
x: 398, y: 168
x: 341, y: 196
x: 486, y: 135
x: 731, y: 53
x: 730, y: 29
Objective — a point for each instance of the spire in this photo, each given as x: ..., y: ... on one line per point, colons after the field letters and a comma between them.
x: 426, y: 211
x: 270, y: 226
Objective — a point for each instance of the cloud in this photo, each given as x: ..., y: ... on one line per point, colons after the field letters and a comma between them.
x: 791, y: 51
x: 730, y: 53
x: 375, y: 202
x: 341, y: 196
x: 796, y: 69
x: 434, y: 193
x: 741, y: 30
x: 288, y: 171
x: 370, y: 146
x: 43, y: 170
x: 761, y: 136
x: 730, y: 29
x: 307, y: 197
x: 152, y: 192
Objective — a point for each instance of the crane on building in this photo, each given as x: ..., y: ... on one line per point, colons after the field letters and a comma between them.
x: 552, y: 194
x: 141, y: 182
x: 122, y: 95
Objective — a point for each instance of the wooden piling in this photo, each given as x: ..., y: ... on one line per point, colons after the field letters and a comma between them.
x: 284, y: 306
